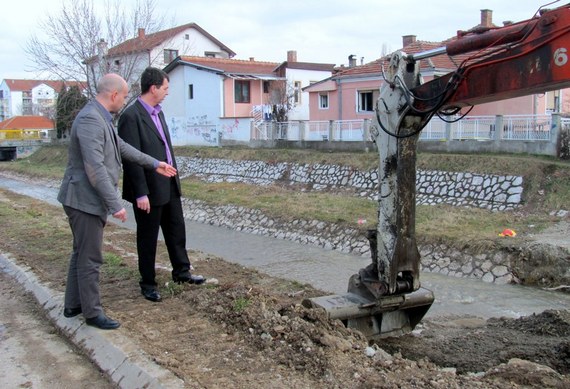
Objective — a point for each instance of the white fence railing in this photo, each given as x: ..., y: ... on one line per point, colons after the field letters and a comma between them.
x: 534, y: 127
x: 516, y: 127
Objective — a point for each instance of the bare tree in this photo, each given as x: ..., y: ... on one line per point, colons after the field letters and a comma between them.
x: 280, y: 98
x: 71, y: 45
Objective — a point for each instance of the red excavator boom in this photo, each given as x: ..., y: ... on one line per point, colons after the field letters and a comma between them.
x: 517, y: 60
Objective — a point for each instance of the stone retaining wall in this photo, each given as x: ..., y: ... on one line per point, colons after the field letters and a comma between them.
x: 498, y: 193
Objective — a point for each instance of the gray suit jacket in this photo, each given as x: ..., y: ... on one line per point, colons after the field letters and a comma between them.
x: 91, y: 179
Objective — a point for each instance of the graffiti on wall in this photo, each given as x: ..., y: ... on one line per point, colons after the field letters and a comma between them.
x: 229, y: 129
x: 191, y: 129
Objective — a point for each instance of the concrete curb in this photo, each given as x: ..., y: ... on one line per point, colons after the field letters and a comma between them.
x: 116, y: 355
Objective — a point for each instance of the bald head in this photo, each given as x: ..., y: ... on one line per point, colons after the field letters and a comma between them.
x: 110, y: 83
x: 112, y: 90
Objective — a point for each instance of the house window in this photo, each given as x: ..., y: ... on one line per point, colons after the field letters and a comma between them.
x: 365, y: 101
x: 241, y: 91
x: 323, y: 101
x: 191, y: 91
x: 265, y: 86
x: 297, y: 92
x: 169, y: 55
x: 187, y: 36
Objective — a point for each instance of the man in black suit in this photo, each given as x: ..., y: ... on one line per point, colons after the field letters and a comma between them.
x: 156, y: 200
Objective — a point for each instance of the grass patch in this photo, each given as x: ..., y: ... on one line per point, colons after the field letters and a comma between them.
x: 31, y: 228
x: 115, y: 267
x: 172, y: 288
x: 241, y: 303
x: 462, y: 227
x: 284, y: 203
x: 48, y: 162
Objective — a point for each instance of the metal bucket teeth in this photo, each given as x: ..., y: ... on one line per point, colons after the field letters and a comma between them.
x: 388, y: 316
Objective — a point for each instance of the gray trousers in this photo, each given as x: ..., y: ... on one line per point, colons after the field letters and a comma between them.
x: 82, y: 288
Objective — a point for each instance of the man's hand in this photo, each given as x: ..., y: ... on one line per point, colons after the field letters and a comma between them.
x: 143, y: 204
x: 165, y: 169
x: 121, y: 215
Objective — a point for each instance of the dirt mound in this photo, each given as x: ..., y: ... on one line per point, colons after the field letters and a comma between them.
x: 471, y: 345
x: 547, y: 323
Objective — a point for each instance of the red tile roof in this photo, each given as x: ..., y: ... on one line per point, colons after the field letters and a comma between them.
x: 27, y: 123
x: 441, y: 62
x: 233, y: 65
x: 16, y: 85
x: 144, y: 42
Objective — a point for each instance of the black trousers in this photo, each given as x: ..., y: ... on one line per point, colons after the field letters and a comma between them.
x: 170, y: 218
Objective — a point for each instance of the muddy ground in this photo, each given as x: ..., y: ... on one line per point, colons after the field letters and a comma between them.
x: 249, y: 330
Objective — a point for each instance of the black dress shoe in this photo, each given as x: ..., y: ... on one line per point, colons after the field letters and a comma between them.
x: 191, y: 279
x: 102, y: 322
x: 71, y: 312
x: 151, y: 294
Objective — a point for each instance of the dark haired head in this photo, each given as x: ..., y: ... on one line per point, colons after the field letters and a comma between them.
x: 152, y: 76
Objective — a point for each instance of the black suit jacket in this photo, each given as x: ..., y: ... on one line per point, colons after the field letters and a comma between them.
x: 137, y: 128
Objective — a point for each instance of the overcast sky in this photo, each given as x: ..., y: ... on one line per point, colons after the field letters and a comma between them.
x: 320, y: 31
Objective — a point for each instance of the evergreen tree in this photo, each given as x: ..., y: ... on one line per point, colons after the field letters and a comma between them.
x: 69, y: 103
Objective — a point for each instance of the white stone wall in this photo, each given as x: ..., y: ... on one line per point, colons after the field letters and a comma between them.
x: 494, y: 192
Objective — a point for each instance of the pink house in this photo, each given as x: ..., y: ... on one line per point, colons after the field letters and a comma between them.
x: 351, y: 93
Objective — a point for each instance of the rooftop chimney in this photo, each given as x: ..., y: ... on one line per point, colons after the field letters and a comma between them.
x: 486, y: 18
x: 101, y: 48
x: 292, y: 56
x: 351, y: 60
x: 408, y: 40
x: 141, y: 33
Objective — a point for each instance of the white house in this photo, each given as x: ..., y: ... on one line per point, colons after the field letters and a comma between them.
x: 211, y: 98
x: 158, y: 49
x: 215, y: 98
x: 300, y: 75
x: 30, y: 97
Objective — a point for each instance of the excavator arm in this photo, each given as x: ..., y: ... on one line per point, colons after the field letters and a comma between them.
x: 386, y: 298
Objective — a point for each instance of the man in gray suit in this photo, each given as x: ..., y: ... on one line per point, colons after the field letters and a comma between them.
x: 89, y: 192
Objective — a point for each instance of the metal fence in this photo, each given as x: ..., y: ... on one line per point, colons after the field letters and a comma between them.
x: 515, y: 127
x: 534, y: 127
x: 337, y: 130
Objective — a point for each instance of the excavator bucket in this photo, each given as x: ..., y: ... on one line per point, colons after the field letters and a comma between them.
x: 376, y: 318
